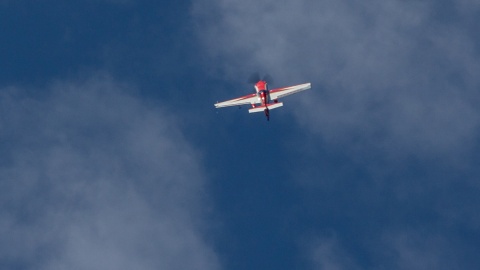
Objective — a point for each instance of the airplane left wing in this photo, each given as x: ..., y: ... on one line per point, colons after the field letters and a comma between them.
x: 285, y: 91
x: 248, y: 99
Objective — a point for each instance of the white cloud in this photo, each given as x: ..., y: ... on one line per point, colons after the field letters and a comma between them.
x: 400, y: 249
x: 395, y: 89
x: 94, y: 178
x: 387, y: 75
x: 328, y: 254
x: 415, y: 251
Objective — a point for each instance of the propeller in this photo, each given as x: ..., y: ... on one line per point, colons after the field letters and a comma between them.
x: 268, y: 78
x: 255, y: 77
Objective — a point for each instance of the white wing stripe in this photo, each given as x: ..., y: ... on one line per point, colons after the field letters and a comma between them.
x: 278, y: 93
x: 237, y: 101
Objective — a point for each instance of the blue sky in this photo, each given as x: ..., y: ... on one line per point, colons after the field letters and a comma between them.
x: 114, y: 157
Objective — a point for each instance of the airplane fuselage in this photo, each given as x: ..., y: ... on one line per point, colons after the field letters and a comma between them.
x: 263, y: 96
x: 262, y: 92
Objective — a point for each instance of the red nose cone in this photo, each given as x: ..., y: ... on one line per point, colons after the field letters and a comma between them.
x: 261, y: 85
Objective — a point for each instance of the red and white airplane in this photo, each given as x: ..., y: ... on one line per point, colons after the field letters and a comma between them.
x: 264, y: 99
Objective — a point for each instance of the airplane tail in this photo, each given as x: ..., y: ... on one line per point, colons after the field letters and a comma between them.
x: 262, y: 107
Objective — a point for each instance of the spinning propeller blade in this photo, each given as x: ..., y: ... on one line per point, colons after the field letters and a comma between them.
x: 268, y: 78
x: 254, y: 78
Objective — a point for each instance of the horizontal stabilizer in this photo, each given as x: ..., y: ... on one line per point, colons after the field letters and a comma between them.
x: 262, y: 108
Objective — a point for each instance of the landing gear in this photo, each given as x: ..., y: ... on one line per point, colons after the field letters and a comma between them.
x: 267, y: 113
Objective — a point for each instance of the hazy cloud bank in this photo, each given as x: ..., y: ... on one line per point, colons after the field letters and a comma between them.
x: 91, y: 177
x: 392, y: 250
x: 398, y: 77
x: 391, y: 124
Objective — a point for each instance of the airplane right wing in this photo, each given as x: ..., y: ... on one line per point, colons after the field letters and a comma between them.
x: 285, y: 91
x: 248, y: 99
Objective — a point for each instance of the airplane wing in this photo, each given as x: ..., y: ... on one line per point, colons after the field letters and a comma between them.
x: 248, y: 99
x: 285, y: 91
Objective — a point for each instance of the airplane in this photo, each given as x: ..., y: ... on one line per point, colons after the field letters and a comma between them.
x: 264, y: 99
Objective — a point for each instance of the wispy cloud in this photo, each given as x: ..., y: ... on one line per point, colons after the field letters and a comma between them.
x: 392, y: 118
x: 399, y: 77
x: 400, y: 249
x: 94, y: 178
x: 328, y: 254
